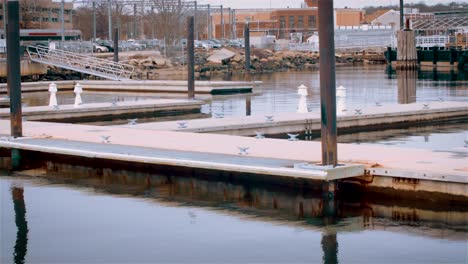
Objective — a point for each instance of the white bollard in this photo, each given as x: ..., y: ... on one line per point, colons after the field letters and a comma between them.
x: 341, y: 91
x: 53, y: 94
x: 302, y: 91
x: 78, y: 90
x: 340, y: 99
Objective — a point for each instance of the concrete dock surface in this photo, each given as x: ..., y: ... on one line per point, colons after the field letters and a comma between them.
x: 440, y: 166
x: 154, y: 86
x: 385, y: 116
x: 88, y: 110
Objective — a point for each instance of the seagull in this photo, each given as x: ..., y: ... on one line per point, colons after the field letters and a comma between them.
x: 259, y: 135
x: 182, y: 124
x: 378, y: 104
x: 114, y: 101
x: 219, y: 115
x: 269, y: 118
x: 105, y: 139
x: 358, y: 111
x: 441, y: 99
x: 132, y: 121
x: 293, y: 137
x: 425, y: 106
x: 56, y: 107
x: 192, y: 214
x: 5, y: 138
x: 243, y: 150
x: 466, y: 143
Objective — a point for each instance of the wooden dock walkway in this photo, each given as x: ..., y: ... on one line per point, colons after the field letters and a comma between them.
x: 371, y: 118
x: 426, y: 170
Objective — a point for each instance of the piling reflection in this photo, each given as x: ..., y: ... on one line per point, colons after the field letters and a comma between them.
x: 406, y: 86
x: 21, y: 245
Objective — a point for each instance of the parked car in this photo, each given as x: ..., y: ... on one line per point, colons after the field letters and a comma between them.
x: 202, y: 44
x: 105, y: 43
x: 215, y: 43
x: 99, y: 48
x: 137, y: 45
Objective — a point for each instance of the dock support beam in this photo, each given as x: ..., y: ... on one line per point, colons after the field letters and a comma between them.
x: 116, y: 44
x: 13, y: 69
x: 247, y: 47
x: 327, y: 83
x: 190, y: 57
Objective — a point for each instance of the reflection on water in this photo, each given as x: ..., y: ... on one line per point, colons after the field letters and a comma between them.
x: 118, y: 215
x: 21, y: 245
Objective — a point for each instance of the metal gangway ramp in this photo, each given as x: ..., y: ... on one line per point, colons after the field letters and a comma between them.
x: 81, y: 63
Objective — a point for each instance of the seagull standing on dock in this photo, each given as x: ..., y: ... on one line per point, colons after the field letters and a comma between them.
x: 243, y: 150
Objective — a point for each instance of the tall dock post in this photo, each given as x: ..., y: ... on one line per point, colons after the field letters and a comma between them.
x: 190, y: 57
x: 247, y: 47
x: 327, y: 83
x: 14, y: 69
x: 407, y: 56
x: 14, y: 78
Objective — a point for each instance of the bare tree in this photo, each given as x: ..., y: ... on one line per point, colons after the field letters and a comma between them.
x: 170, y: 18
x: 29, y: 9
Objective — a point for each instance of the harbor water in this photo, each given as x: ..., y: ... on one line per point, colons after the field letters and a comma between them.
x: 70, y: 214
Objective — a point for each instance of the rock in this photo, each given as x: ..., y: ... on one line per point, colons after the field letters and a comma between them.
x: 220, y: 56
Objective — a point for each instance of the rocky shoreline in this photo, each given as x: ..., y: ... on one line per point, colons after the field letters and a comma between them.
x: 262, y: 61
x: 153, y: 66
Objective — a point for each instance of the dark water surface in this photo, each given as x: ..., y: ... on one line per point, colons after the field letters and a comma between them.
x: 115, y: 220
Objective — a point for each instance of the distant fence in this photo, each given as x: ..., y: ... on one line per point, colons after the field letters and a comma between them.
x: 348, y: 39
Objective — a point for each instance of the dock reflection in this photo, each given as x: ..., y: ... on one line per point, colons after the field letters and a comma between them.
x: 21, y: 245
x: 288, y: 205
x: 298, y: 205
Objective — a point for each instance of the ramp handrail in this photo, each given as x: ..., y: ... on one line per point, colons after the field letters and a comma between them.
x: 81, y: 63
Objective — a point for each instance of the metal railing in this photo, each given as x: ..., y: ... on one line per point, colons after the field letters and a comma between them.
x: 80, y: 63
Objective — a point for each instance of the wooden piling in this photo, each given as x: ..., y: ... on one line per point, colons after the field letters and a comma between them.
x: 407, y: 56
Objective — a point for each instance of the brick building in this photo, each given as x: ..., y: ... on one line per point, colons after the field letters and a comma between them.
x: 349, y: 17
x: 42, y: 14
x: 277, y: 22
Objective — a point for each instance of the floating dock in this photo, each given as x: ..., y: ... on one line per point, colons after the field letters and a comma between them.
x: 403, y: 169
x: 158, y: 86
x: 93, y: 112
x: 352, y: 120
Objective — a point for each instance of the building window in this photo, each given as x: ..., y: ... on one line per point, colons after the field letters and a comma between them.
x: 282, y: 22
x: 312, y: 22
x: 54, y: 19
x: 300, y: 22
x: 291, y: 22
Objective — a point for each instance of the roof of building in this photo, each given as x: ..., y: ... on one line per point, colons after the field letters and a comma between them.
x: 370, y: 17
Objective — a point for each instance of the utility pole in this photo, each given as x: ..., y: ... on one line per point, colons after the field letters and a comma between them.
x: 94, y: 21
x: 402, y: 10
x: 222, y: 23
x: 62, y: 19
x: 109, y: 16
x: 327, y: 83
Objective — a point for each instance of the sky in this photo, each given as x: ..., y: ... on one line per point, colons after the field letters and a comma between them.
x: 297, y: 3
